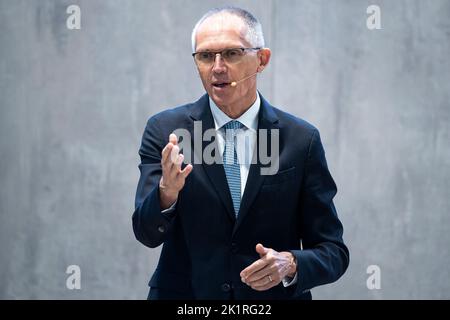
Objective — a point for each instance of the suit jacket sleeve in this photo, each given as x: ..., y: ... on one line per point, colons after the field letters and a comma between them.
x: 324, y: 257
x: 150, y: 225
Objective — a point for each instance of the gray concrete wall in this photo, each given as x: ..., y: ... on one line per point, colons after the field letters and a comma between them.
x: 73, y: 105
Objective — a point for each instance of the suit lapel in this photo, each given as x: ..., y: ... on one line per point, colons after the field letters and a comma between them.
x: 267, y: 119
x: 202, y: 112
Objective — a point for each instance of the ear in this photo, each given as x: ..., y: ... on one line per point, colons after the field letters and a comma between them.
x: 263, y: 58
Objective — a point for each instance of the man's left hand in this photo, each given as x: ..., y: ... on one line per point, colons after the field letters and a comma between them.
x: 270, y: 269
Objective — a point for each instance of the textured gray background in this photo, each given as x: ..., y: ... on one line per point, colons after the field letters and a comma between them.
x: 74, y: 105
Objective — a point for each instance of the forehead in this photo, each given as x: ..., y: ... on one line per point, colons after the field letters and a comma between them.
x: 221, y: 31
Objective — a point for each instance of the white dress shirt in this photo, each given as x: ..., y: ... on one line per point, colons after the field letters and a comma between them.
x: 245, y: 138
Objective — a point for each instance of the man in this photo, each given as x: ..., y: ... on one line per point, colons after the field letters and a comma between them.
x: 228, y: 230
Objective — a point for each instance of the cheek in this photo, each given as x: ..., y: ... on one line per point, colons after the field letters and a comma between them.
x: 204, y: 78
x: 203, y: 74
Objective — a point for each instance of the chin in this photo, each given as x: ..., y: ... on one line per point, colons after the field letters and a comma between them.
x: 219, y: 99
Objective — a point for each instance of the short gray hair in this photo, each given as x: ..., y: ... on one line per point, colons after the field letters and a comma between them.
x: 254, y: 34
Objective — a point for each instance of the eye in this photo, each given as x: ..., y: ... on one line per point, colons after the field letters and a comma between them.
x: 233, y: 53
x: 205, y: 55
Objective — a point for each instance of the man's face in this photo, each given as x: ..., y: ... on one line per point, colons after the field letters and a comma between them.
x: 221, y: 32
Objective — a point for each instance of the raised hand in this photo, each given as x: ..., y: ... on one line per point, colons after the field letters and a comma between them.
x: 173, y: 178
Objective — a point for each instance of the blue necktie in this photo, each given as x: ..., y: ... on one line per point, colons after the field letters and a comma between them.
x: 230, y: 163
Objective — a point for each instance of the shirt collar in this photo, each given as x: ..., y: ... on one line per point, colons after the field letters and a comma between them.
x: 249, y: 119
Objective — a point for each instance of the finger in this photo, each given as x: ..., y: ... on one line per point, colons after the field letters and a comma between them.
x: 258, y: 275
x: 166, y: 163
x: 265, y: 281
x: 188, y: 169
x: 261, y: 250
x: 175, y: 168
x: 174, y: 154
x: 166, y: 152
x: 173, y: 138
x: 254, y: 267
x: 178, y: 163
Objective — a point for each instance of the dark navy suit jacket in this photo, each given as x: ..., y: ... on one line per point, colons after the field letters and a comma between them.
x: 205, y: 247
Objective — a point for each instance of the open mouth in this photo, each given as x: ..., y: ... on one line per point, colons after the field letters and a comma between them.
x: 220, y: 84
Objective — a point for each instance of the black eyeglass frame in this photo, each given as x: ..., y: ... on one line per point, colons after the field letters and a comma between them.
x: 222, y: 51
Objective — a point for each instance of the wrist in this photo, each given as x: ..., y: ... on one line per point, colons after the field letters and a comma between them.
x: 166, y: 196
x: 292, y: 265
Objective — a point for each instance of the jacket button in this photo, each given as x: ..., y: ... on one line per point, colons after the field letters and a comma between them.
x: 234, y: 247
x: 161, y: 229
x: 226, y: 287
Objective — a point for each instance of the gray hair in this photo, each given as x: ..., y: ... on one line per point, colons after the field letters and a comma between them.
x: 254, y: 34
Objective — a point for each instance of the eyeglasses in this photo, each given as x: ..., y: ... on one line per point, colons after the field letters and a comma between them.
x: 230, y: 56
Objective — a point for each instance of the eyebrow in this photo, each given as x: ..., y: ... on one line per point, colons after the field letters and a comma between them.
x: 227, y: 48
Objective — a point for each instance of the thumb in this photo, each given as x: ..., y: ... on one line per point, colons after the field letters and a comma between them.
x: 261, y: 250
x: 187, y: 170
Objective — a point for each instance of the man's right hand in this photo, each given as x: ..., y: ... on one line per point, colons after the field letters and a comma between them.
x: 173, y: 178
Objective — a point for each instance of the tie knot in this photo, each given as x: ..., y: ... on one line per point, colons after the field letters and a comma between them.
x: 233, y: 125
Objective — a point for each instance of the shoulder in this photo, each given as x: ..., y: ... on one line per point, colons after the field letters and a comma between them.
x: 293, y: 125
x: 180, y: 115
x: 299, y: 134
x: 160, y: 125
x: 171, y: 115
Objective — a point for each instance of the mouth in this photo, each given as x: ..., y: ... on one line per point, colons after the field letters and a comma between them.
x: 220, y: 84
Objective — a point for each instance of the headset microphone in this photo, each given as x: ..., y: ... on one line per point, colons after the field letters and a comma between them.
x: 234, y: 83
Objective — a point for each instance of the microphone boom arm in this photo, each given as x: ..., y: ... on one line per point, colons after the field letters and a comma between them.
x: 234, y: 83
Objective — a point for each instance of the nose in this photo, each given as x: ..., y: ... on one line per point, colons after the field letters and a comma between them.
x: 219, y: 64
